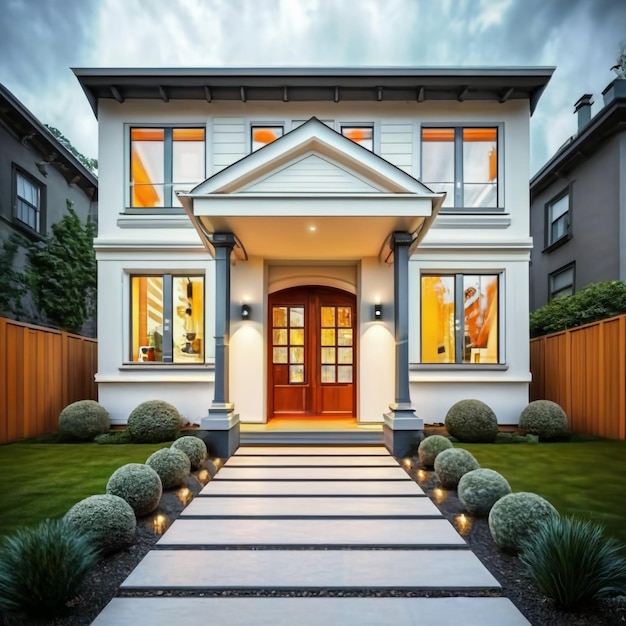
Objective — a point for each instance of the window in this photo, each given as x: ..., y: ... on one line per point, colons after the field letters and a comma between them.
x: 162, y: 161
x: 28, y: 201
x: 363, y: 135
x: 464, y: 163
x: 558, y: 219
x: 562, y: 282
x: 262, y: 135
x: 460, y: 318
x: 167, y: 319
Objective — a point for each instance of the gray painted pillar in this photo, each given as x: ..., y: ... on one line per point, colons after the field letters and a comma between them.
x: 402, y: 429
x: 222, y: 424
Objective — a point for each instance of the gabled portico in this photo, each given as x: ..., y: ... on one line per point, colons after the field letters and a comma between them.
x: 312, y: 196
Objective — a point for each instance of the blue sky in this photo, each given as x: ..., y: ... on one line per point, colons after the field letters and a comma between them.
x: 41, y: 39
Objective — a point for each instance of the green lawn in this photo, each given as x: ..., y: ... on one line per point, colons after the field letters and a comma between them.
x: 583, y: 479
x: 38, y: 481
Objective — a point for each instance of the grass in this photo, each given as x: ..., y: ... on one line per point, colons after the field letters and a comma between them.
x: 587, y: 479
x: 41, y: 481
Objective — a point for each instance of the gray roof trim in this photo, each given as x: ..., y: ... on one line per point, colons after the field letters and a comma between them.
x: 316, y: 84
x: 12, y: 112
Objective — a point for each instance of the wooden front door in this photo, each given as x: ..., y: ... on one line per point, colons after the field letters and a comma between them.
x: 312, y: 352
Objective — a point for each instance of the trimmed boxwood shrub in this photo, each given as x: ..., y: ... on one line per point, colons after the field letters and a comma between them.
x: 545, y: 419
x: 154, y: 421
x: 84, y: 420
x: 453, y: 463
x: 193, y: 447
x: 431, y: 447
x: 472, y: 421
x: 139, y: 485
x: 517, y: 516
x: 480, y: 489
x: 172, y: 466
x: 108, y: 520
x: 113, y: 437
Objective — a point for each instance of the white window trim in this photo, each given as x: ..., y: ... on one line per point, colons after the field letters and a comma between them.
x: 250, y: 124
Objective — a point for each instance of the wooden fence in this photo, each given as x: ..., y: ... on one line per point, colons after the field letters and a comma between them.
x: 584, y: 370
x: 41, y: 371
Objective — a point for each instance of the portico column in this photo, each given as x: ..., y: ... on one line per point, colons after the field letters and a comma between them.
x: 222, y: 424
x: 402, y: 428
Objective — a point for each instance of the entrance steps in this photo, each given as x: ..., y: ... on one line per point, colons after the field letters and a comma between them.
x: 314, y: 536
x: 252, y: 434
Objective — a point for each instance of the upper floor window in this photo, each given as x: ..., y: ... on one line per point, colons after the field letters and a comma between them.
x: 460, y: 318
x: 558, y: 213
x: 363, y: 135
x: 164, y: 160
x: 262, y: 135
x: 562, y: 282
x: 464, y: 163
x: 28, y: 201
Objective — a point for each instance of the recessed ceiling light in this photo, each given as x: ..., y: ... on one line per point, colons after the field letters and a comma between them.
x: 312, y: 228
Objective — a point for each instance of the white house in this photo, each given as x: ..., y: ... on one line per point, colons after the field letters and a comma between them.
x: 319, y: 243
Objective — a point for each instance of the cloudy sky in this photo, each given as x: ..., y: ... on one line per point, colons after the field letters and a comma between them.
x: 41, y: 39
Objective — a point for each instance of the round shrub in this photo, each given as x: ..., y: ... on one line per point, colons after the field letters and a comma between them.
x: 431, y: 447
x: 472, y: 421
x: 139, y: 485
x: 172, y: 466
x: 84, y: 420
x: 516, y: 517
x: 193, y: 447
x: 545, y: 419
x: 480, y: 489
x: 453, y: 463
x: 154, y: 421
x: 108, y: 520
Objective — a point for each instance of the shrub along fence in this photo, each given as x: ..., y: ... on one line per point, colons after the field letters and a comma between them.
x: 584, y: 370
x: 41, y: 371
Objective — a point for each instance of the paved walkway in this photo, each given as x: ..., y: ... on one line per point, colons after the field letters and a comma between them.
x: 283, y: 524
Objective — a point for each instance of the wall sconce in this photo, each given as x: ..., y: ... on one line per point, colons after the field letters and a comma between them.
x: 245, y: 311
x: 378, y: 312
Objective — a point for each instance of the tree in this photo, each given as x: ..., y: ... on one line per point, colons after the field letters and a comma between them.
x: 62, y: 273
x: 90, y: 164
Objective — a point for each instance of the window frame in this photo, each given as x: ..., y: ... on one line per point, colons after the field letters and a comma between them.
x: 550, y: 244
x: 263, y: 124
x: 561, y: 270
x: 40, y: 210
x: 341, y: 124
x: 167, y: 162
x: 459, y: 314
x: 458, y: 163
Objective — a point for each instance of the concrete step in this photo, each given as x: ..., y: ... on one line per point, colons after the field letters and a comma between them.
x: 291, y: 437
x: 304, y: 460
x: 312, y: 473
x: 309, y: 450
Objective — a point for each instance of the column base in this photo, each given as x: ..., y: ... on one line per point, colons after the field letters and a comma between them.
x: 222, y: 431
x: 402, y: 430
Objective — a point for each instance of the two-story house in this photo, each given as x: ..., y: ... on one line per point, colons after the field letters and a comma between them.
x: 314, y: 243
x: 578, y: 203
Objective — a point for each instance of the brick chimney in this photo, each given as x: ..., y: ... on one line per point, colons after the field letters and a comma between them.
x: 583, y: 108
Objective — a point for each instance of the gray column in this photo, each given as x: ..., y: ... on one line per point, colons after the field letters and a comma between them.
x: 402, y: 429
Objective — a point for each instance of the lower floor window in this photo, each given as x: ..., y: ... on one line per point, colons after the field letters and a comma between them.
x: 561, y: 282
x: 459, y: 318
x: 167, y: 314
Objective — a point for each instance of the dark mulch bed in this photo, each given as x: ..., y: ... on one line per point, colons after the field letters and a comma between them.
x: 103, y: 582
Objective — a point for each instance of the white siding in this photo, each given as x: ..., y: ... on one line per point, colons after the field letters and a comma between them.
x: 229, y: 141
x: 311, y: 174
x: 396, y: 144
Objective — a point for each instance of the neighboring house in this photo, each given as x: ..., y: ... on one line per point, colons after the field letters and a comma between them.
x: 38, y: 176
x: 578, y: 204
x: 277, y: 242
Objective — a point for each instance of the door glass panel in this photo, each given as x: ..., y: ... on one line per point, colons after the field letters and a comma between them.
x: 328, y: 373
x: 344, y: 355
x: 328, y: 355
x: 344, y: 374
x: 296, y: 316
x: 344, y: 337
x: 280, y: 337
x: 328, y: 316
x: 296, y: 337
x: 328, y: 336
x: 279, y: 315
x: 344, y: 316
x: 280, y: 355
x: 296, y: 355
x: 296, y: 373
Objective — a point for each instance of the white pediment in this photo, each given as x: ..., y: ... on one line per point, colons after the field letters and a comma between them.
x: 311, y: 174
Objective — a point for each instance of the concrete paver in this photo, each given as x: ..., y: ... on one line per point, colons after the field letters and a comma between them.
x: 312, y: 473
x: 307, y: 461
x: 312, y: 450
